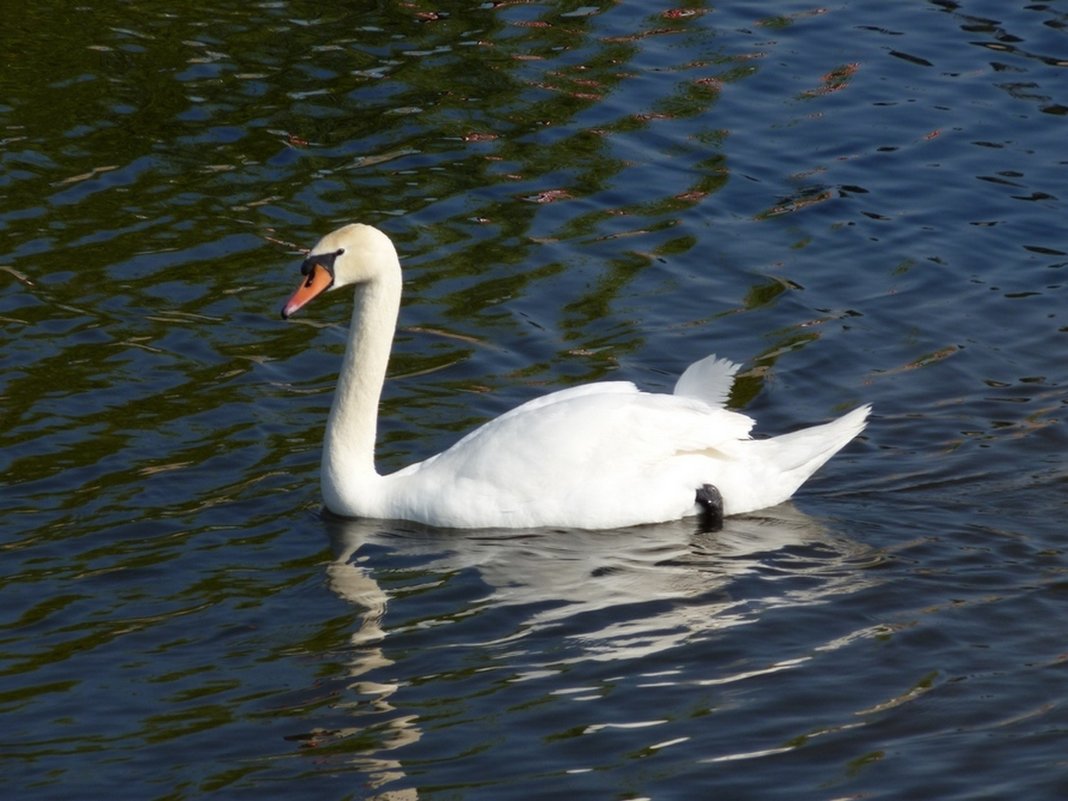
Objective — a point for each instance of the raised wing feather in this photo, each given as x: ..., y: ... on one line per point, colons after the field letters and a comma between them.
x: 709, y: 380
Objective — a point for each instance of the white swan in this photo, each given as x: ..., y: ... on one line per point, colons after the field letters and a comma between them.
x: 602, y: 455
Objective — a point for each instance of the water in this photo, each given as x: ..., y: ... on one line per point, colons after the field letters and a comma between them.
x: 861, y: 202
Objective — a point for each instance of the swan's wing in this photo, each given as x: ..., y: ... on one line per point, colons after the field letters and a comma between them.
x: 588, y: 459
x: 607, y: 423
x: 526, y: 412
x: 709, y: 380
x: 584, y: 436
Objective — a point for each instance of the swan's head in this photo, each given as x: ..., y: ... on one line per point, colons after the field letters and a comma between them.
x: 355, y: 254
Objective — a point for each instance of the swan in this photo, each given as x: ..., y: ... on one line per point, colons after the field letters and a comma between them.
x: 596, y: 456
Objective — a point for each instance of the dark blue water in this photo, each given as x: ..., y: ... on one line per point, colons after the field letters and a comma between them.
x: 860, y: 202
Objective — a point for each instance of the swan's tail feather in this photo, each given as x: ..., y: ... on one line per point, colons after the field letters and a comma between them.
x: 799, y: 454
x: 774, y: 468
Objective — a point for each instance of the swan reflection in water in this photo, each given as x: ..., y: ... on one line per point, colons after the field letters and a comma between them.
x: 638, y: 591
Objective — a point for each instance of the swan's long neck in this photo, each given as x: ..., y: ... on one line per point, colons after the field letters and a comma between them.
x: 350, y: 481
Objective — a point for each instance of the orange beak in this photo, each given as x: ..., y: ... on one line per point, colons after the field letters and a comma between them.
x: 318, y: 281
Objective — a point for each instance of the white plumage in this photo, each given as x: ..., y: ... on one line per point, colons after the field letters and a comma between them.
x: 602, y: 455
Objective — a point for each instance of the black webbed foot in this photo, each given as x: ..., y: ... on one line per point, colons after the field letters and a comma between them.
x: 711, y: 503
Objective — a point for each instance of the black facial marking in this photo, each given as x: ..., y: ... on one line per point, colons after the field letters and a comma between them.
x: 324, y: 260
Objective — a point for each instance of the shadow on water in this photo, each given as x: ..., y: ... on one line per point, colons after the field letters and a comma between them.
x: 531, y: 605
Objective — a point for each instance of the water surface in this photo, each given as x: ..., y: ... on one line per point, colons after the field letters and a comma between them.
x: 860, y: 203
